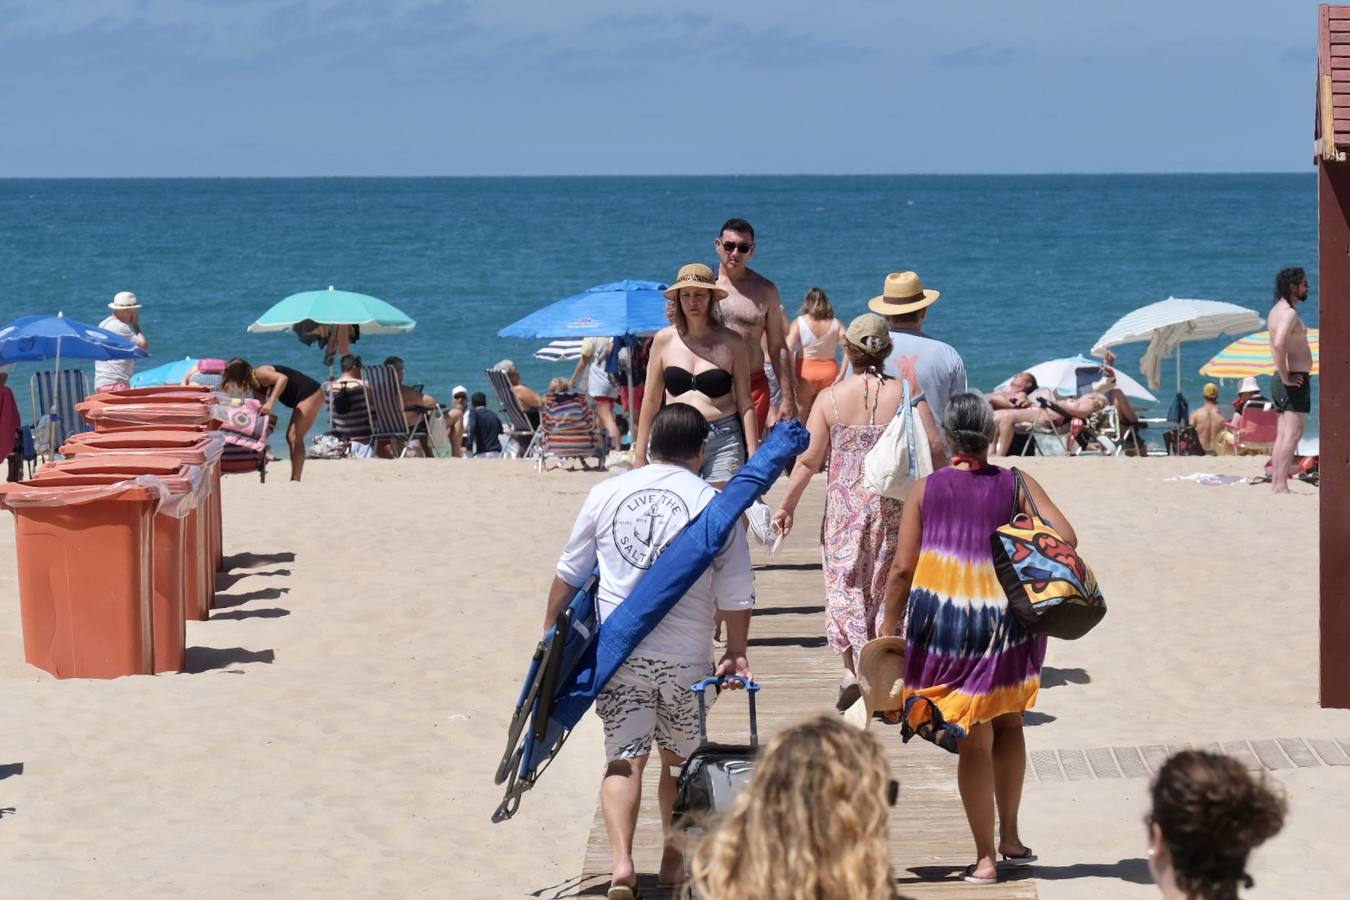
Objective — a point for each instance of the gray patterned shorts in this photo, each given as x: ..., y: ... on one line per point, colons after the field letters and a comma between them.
x: 649, y: 697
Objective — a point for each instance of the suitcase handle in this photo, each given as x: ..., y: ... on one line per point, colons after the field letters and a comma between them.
x: 751, y: 688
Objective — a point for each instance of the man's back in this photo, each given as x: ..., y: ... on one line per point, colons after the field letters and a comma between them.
x: 938, y: 368
x: 629, y: 520
x: 486, y: 431
x: 1208, y: 422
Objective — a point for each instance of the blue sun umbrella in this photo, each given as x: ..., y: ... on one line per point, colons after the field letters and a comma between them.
x: 36, y: 338
x: 169, y: 373
x: 607, y: 310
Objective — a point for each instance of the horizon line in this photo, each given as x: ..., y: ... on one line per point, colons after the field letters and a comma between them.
x: 1066, y: 174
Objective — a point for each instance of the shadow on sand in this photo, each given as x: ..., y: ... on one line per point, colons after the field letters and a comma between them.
x: 206, y: 659
x: 1052, y: 677
x: 225, y: 601
x: 254, y: 560
x: 274, y: 612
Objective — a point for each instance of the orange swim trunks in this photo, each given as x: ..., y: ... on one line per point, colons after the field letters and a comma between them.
x: 759, y: 393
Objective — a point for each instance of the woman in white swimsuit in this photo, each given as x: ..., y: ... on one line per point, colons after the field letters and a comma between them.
x: 814, y: 338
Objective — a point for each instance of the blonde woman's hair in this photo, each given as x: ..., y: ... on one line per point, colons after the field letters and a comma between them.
x: 810, y: 825
x: 675, y: 312
x: 559, y: 385
x: 817, y: 305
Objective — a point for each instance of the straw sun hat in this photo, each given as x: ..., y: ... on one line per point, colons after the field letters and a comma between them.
x: 881, y: 668
x: 902, y: 293
x: 124, y: 300
x: 695, y: 275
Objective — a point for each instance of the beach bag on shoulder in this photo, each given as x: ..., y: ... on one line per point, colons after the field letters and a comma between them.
x: 1050, y: 589
x: 901, y: 455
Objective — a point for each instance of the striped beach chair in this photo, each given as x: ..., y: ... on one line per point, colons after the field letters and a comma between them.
x: 568, y: 430
x: 385, y: 400
x: 523, y: 432
x: 54, y: 396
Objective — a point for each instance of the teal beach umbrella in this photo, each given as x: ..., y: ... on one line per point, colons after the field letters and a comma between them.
x: 334, y: 307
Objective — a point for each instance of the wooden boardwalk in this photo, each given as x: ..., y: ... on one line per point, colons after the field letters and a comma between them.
x: 930, y: 841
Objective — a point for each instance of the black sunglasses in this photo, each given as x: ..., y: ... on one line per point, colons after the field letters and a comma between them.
x: 731, y: 247
x: 892, y: 792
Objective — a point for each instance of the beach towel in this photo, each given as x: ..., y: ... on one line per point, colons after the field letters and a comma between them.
x: 243, y: 426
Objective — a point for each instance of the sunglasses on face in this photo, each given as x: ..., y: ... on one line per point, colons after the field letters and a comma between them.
x: 733, y: 247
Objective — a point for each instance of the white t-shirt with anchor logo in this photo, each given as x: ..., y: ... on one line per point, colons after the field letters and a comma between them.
x: 625, y: 525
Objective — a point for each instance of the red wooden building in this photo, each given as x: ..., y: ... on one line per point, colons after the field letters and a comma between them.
x: 1331, y: 134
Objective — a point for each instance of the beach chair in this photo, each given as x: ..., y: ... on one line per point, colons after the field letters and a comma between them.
x: 1255, y: 430
x: 384, y: 397
x: 568, y: 429
x: 1043, y: 437
x: 349, y: 417
x: 523, y: 432
x: 245, y: 433
x: 54, y: 396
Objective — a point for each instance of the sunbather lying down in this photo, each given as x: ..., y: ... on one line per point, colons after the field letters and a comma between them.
x: 1054, y: 412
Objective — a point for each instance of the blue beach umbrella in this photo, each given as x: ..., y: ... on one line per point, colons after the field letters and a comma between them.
x: 334, y: 307
x: 607, y: 310
x: 35, y: 338
x: 169, y: 373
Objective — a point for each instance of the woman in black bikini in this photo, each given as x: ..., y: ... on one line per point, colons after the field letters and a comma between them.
x: 699, y: 362
x: 272, y: 384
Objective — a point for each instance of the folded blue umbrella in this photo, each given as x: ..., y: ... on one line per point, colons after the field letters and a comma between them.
x: 591, y: 662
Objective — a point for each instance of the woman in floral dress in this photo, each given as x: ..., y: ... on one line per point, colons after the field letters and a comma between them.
x: 858, y: 535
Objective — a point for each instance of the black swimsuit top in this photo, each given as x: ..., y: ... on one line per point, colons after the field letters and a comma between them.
x: 712, y: 382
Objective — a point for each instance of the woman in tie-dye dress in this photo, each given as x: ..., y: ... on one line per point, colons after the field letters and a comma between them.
x: 971, y: 669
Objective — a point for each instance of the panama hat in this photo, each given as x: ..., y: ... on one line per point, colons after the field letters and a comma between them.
x: 903, y: 293
x: 124, y: 300
x: 695, y: 275
x: 881, y: 668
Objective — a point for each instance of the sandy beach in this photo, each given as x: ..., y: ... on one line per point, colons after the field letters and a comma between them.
x: 347, y: 702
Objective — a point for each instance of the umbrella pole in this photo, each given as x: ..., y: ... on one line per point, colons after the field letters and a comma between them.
x: 56, y: 378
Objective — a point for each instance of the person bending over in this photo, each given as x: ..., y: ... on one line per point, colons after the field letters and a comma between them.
x: 273, y: 384
x: 624, y: 525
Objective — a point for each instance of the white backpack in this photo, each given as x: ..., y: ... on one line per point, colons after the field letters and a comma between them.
x: 901, y: 455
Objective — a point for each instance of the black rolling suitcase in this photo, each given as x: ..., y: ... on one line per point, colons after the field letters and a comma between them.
x: 714, y: 774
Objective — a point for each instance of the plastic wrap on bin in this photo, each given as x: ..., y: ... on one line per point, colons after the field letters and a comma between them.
x: 51, y: 492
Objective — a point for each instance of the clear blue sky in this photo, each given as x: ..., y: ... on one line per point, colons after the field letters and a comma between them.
x: 454, y: 87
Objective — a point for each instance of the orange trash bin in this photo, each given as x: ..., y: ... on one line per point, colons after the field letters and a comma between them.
x: 193, y: 556
x: 85, y: 568
x: 187, y: 442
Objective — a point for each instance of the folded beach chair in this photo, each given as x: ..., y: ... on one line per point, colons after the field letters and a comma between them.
x: 385, y: 400
x: 568, y: 430
x: 54, y: 396
x: 1256, y: 428
x: 245, y: 433
x: 523, y: 433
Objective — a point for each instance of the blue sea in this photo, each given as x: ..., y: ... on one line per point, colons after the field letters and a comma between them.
x: 1030, y: 267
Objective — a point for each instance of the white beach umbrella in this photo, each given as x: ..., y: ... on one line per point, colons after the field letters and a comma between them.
x: 557, y: 351
x: 1061, y: 376
x: 1168, y: 323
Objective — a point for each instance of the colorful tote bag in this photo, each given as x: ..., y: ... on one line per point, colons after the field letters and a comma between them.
x: 243, y: 426
x: 1050, y: 589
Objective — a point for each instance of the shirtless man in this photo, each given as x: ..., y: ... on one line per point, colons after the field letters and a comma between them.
x: 1290, y: 389
x: 753, y: 310
x: 1208, y: 420
x: 1006, y: 420
x: 1018, y: 394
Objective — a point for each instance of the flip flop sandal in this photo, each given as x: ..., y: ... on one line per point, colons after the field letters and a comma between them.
x: 968, y: 874
x: 1025, y: 858
x: 623, y: 892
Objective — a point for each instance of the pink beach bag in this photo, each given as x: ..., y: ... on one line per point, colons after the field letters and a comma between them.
x: 243, y: 425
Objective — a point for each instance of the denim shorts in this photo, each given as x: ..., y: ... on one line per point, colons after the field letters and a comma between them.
x: 725, y: 453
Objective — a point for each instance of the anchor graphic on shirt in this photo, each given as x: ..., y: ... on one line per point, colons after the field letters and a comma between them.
x: 651, y: 515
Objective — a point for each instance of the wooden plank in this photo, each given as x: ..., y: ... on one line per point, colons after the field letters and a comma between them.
x: 800, y: 676
x: 1339, y: 51
x: 1335, y: 13
x: 1342, y: 100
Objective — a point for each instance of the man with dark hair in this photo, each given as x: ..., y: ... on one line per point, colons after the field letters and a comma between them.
x: 624, y: 526
x: 1290, y: 389
x: 484, y: 430
x: 753, y: 309
x: 1018, y: 395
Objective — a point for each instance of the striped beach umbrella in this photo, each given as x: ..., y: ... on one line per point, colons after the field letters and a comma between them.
x: 1251, y: 356
x: 558, y: 351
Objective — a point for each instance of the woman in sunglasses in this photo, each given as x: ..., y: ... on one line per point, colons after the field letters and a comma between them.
x: 772, y: 845
x: 700, y: 362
